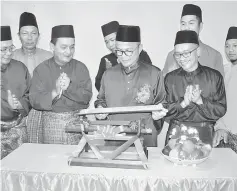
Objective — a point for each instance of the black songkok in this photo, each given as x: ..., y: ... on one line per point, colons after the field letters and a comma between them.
x: 6, y: 33
x: 27, y: 19
x: 232, y: 33
x: 62, y: 31
x: 109, y: 28
x: 186, y: 36
x: 190, y: 9
x: 127, y: 33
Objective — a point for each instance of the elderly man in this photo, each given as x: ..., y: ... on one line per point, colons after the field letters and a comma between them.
x: 15, y: 83
x: 109, y: 31
x: 191, y: 19
x: 226, y: 128
x: 195, y: 94
x: 31, y: 56
x: 60, y: 86
x: 133, y: 82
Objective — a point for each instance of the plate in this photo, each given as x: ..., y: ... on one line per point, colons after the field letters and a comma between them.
x: 184, y: 162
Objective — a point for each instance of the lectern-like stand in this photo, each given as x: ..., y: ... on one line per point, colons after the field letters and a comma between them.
x: 130, y: 154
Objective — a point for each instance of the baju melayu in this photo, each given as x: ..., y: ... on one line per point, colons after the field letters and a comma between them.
x: 58, y: 112
x: 213, y: 95
x: 139, y: 85
x: 16, y: 78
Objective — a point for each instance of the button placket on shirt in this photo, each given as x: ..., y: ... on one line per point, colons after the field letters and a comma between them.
x: 129, y: 84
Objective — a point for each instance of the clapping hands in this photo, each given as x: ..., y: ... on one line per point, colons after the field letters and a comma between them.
x: 192, y: 94
x: 196, y: 95
x: 62, y: 84
x: 13, y: 100
x: 64, y: 81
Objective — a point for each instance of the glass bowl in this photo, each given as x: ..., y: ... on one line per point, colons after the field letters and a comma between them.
x: 187, y: 146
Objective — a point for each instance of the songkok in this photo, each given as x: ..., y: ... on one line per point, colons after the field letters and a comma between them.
x: 127, y: 33
x: 27, y: 19
x: 61, y: 31
x: 6, y: 33
x: 190, y: 9
x: 186, y: 36
x: 110, y: 28
x: 232, y: 33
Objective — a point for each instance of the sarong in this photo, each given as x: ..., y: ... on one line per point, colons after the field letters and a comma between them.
x: 34, y: 126
x: 231, y: 142
x: 54, y: 128
x: 12, y: 136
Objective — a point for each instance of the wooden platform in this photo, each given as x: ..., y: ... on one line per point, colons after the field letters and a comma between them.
x: 129, y: 152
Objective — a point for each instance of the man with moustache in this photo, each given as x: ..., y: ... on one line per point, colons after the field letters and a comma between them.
x: 60, y: 86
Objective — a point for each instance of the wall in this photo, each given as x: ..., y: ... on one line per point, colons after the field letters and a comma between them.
x: 159, y: 22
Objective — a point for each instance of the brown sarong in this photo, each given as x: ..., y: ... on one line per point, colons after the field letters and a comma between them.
x: 54, y: 128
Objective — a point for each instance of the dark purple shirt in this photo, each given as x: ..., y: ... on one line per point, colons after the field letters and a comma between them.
x: 120, y: 88
x: 76, y: 97
x: 16, y: 78
x: 213, y: 95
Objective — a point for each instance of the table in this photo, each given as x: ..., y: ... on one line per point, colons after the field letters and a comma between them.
x: 44, y: 167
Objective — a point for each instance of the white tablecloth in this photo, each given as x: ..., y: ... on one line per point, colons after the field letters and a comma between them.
x: 44, y: 167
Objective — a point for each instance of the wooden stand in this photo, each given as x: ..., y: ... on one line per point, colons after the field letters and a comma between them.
x: 123, y: 156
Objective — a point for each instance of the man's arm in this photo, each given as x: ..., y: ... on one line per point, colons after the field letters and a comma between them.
x: 214, y: 107
x: 101, y: 101
x: 80, y: 90
x: 40, y: 98
x: 100, y: 73
x: 159, y: 89
x: 24, y: 100
x: 159, y: 97
x: 175, y: 107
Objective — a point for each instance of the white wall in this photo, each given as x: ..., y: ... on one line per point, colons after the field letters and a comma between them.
x: 159, y: 22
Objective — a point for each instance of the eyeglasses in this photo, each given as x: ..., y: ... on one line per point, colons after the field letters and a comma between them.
x: 127, y: 52
x: 185, y: 54
x: 10, y: 49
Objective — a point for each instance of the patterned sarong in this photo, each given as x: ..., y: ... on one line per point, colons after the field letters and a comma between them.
x: 232, y: 140
x: 54, y: 128
x: 231, y: 143
x: 12, y: 138
x: 34, y: 126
